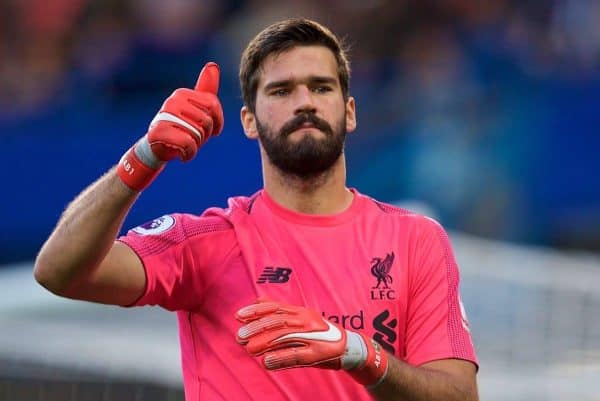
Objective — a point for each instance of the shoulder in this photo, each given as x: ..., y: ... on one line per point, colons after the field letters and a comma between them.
x: 389, y: 210
x: 182, y: 225
x: 180, y: 232
x: 234, y: 204
x: 187, y: 225
x: 416, y: 225
x: 171, y: 231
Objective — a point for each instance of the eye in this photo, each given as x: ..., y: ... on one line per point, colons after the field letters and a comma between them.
x: 322, y: 89
x: 280, y: 92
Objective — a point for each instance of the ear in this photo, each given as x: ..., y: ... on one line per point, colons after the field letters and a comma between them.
x: 249, y: 123
x: 350, y: 114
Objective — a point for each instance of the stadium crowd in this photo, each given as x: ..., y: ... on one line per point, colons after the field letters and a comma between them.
x: 483, y: 110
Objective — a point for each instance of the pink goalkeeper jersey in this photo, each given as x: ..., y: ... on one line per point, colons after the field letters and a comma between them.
x: 373, y: 268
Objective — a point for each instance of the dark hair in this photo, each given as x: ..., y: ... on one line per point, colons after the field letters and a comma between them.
x: 283, y: 36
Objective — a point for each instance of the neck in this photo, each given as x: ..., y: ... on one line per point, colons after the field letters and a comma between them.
x: 322, y: 194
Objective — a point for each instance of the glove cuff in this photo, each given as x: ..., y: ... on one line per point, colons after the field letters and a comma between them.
x: 374, y: 368
x: 134, y: 173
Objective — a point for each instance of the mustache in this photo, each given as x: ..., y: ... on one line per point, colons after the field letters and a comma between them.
x: 303, y: 118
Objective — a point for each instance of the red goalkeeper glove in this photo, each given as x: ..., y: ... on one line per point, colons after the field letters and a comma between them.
x: 183, y: 124
x: 294, y: 336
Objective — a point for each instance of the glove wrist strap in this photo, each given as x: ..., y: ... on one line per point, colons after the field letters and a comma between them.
x: 134, y: 173
x: 374, y: 369
x: 144, y: 153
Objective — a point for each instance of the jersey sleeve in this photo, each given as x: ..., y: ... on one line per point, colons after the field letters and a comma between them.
x: 437, y: 326
x: 177, y: 251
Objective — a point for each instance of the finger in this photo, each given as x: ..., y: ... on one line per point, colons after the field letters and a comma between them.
x: 209, y: 103
x: 167, y: 149
x: 189, y: 147
x: 208, y: 80
x: 255, y: 327
x: 256, y: 311
x: 283, y: 358
x: 293, y: 357
x: 200, y: 122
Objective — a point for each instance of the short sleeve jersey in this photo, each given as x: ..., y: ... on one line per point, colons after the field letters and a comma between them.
x: 374, y: 268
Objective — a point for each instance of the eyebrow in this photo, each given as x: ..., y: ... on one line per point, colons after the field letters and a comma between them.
x: 289, y: 82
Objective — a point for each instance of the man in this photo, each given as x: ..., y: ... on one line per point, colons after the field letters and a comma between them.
x: 305, y: 290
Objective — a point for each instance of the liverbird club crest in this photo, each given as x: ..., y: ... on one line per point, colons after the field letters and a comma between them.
x: 380, y: 269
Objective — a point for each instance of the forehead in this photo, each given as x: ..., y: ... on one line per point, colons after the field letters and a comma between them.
x: 298, y: 62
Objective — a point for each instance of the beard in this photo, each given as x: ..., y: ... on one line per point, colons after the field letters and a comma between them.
x: 308, y: 157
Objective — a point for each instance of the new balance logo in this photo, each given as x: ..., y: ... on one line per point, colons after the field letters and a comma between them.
x: 274, y: 275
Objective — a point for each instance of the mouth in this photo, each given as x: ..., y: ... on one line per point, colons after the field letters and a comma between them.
x: 306, y: 123
x: 307, y: 129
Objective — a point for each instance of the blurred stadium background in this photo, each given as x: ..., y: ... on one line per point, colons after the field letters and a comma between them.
x: 484, y: 114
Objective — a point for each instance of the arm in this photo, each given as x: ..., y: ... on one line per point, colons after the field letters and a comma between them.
x: 442, y: 363
x: 447, y: 379
x: 81, y: 258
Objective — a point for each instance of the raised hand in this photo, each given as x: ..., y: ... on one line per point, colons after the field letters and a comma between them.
x: 183, y: 124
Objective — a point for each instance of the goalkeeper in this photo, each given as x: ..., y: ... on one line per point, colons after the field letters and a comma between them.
x: 307, y: 289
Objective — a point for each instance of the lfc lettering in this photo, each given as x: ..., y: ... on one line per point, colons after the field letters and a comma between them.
x: 384, y: 293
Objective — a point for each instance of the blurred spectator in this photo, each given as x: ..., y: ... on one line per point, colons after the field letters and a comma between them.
x: 103, y: 40
x: 36, y: 50
x: 575, y: 35
x: 174, y: 23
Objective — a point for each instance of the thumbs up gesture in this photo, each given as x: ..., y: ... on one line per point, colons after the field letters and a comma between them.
x: 183, y: 124
x: 188, y: 118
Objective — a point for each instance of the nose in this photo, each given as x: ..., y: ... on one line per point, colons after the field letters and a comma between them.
x: 304, y: 100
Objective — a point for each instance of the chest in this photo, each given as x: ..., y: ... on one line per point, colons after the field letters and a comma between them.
x: 354, y: 276
x: 313, y: 266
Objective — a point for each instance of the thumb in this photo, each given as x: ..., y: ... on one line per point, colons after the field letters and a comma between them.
x: 208, y: 80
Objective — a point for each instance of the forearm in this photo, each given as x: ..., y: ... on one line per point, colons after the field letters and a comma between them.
x: 404, y: 382
x: 84, y: 233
